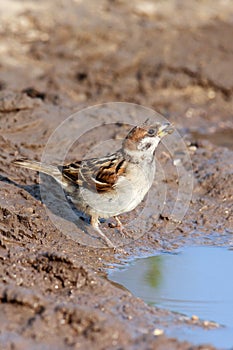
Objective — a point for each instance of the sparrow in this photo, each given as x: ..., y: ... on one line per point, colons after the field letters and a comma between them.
x: 109, y: 186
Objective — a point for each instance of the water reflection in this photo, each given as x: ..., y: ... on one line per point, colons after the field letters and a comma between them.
x: 197, y: 281
x: 153, y: 275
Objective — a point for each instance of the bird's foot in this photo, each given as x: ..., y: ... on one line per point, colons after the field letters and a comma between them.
x: 95, y: 225
x: 120, y: 227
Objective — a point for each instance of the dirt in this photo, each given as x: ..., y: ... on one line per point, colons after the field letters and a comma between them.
x: 56, y: 58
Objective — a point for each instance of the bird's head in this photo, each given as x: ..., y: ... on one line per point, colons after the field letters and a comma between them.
x: 143, y: 140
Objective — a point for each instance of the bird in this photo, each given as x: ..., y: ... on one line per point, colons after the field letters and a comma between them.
x: 108, y: 186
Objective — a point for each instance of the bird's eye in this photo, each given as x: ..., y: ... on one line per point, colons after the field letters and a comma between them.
x: 151, y: 132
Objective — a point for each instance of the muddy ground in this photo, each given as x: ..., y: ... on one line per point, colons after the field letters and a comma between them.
x: 58, y: 57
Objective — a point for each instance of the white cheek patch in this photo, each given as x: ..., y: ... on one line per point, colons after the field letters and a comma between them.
x: 149, y: 143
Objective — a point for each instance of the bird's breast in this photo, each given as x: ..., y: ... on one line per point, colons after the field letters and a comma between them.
x: 127, y: 193
x: 136, y: 183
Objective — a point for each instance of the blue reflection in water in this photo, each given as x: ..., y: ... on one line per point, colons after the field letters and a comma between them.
x: 197, y: 281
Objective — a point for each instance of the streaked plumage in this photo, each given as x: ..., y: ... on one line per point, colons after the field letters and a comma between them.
x: 111, y: 185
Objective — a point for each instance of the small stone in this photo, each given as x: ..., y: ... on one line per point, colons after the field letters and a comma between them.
x: 210, y: 324
x: 157, y: 332
x: 30, y: 210
x: 193, y: 148
x: 145, y: 8
x: 211, y: 94
x: 195, y: 318
x: 115, y: 335
x: 176, y: 161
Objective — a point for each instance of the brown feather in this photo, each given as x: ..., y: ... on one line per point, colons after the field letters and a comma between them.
x: 133, y: 137
x: 96, y: 174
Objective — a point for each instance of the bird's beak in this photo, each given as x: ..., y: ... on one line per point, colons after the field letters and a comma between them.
x: 165, y: 129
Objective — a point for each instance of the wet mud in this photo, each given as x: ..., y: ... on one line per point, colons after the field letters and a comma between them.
x: 57, y: 58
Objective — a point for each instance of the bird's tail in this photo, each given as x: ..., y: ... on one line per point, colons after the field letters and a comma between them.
x: 43, y: 168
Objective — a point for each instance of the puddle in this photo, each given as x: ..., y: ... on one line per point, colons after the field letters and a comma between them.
x: 223, y: 138
x: 197, y: 281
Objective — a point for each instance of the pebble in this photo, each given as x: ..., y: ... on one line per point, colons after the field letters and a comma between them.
x: 195, y: 318
x: 157, y: 332
x: 30, y: 210
x: 210, y: 324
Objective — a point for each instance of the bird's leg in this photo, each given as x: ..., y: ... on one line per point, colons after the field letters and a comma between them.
x: 121, y: 228
x: 95, y: 224
x: 119, y: 225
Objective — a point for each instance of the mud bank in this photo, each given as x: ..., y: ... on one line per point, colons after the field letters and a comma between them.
x: 57, y: 58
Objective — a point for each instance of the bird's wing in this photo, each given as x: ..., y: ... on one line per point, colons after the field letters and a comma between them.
x: 97, y: 174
